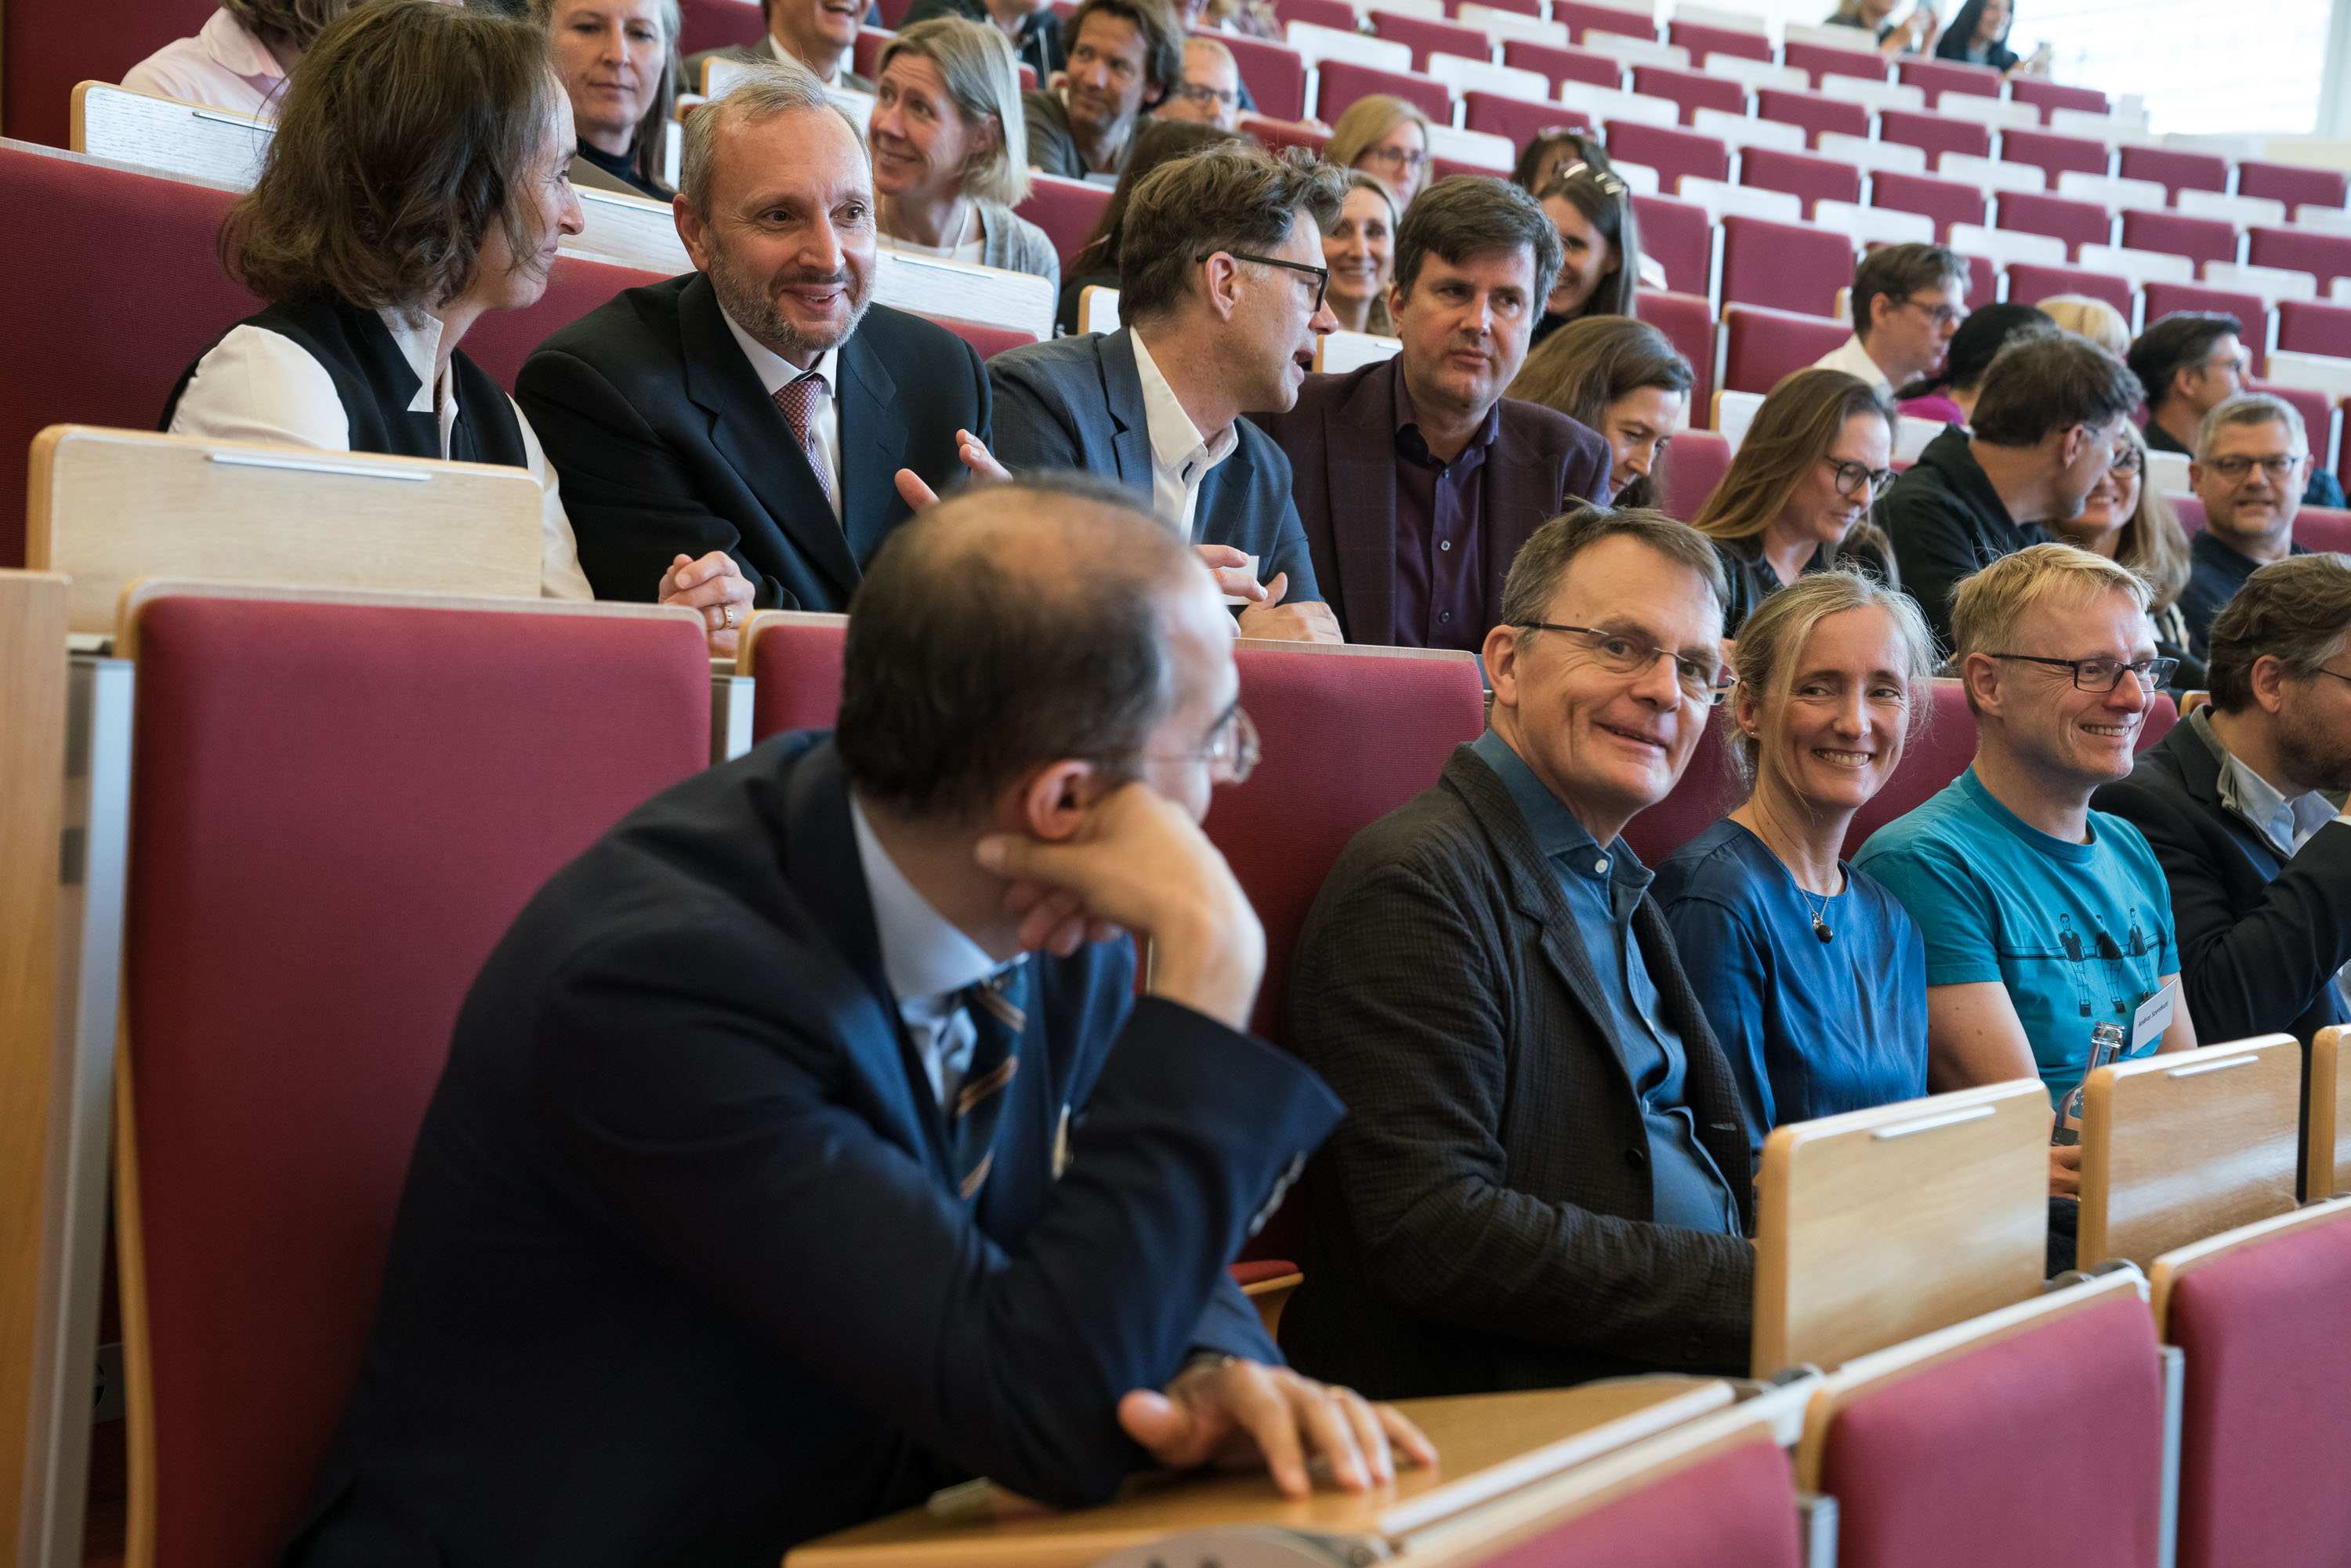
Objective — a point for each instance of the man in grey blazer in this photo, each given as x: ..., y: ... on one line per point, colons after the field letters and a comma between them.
x: 1542, y: 1175
x: 821, y: 35
x: 1221, y: 282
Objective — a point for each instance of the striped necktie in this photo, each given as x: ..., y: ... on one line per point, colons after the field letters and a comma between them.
x: 997, y: 1019
x: 796, y: 399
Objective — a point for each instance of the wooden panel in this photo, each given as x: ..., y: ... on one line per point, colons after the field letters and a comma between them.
x: 2181, y: 1262
x: 2181, y: 1146
x: 2326, y: 1119
x: 187, y: 140
x: 1880, y: 1225
x: 107, y: 507
x: 1494, y: 1446
x: 32, y: 807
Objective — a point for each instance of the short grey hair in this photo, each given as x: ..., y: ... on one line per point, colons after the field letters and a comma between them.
x: 1542, y: 561
x: 982, y: 80
x: 771, y: 88
x: 2249, y: 408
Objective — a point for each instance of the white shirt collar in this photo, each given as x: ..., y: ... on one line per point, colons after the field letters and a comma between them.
x: 228, y: 41
x: 2285, y: 823
x: 1174, y: 440
x: 923, y: 954
x: 419, y: 337
x: 776, y: 51
x: 774, y: 369
x: 1853, y: 359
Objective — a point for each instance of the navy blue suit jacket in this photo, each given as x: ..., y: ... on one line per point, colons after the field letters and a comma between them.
x: 667, y: 444
x: 1077, y: 402
x: 680, y: 1273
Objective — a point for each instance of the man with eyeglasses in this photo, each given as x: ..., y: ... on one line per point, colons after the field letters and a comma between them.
x: 2043, y: 918
x: 804, y: 1145
x: 2251, y: 459
x: 2047, y: 425
x: 2243, y: 803
x: 1221, y: 285
x: 1210, y: 92
x: 1907, y: 300
x: 1543, y: 1176
x: 2192, y: 361
x: 1417, y: 479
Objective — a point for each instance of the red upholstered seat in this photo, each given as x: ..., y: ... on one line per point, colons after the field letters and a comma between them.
x: 2037, y: 213
x: 2199, y: 239
x: 1523, y: 8
x: 1285, y: 133
x: 2163, y: 299
x: 2322, y: 527
x: 1335, y: 13
x: 987, y: 341
x: 2307, y: 327
x: 2191, y: 514
x: 501, y: 341
x: 2324, y: 257
x: 1581, y: 19
x: 1982, y: 280
x: 2175, y: 171
x: 1688, y: 322
x: 1678, y: 233
x: 1761, y: 346
x: 796, y: 670
x: 1672, y: 153
x: 1701, y: 40
x: 1947, y: 201
x: 2042, y: 1446
x: 2045, y: 96
x: 337, y: 810
x: 1814, y: 179
x: 1935, y: 133
x: 1937, y: 751
x: 2052, y: 154
x: 2317, y: 414
x: 1275, y: 74
x: 1786, y: 267
x: 1692, y: 89
x: 717, y: 24
x: 1428, y: 37
x: 2267, y: 1364
x: 1737, y: 1506
x: 865, y: 55
x: 1696, y: 462
x: 1067, y: 209
x: 1826, y: 59
x: 1812, y: 112
x: 1939, y: 77
x: 53, y: 44
x: 1343, y: 82
x: 2292, y: 183
x: 1562, y: 64
x: 2031, y: 282
x: 1520, y: 120
x: 1709, y: 786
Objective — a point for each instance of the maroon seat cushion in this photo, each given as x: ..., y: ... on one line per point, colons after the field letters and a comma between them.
x: 1761, y: 346
x: 1709, y: 786
x: 1581, y: 19
x: 2292, y: 183
x: 1812, y: 112
x: 1275, y: 74
x: 1701, y: 40
x: 500, y: 341
x: 2199, y: 239
x: 1693, y: 91
x: 1947, y: 201
x: 2031, y: 282
x: 2307, y: 327
x: 53, y: 44
x: 720, y: 24
x: 1563, y: 65
x: 2045, y: 96
x: 1067, y: 209
x: 2044, y: 1447
x: 1696, y: 462
x: 1672, y: 153
x: 2163, y: 299
x: 1335, y: 13
x: 1520, y: 120
x: 1939, y: 77
x: 336, y: 812
x: 2324, y: 257
x: 2175, y: 171
x: 1936, y: 134
x: 796, y: 670
x: 1827, y: 60
x: 1687, y: 323
x: 1785, y: 266
x: 1801, y: 174
x: 1736, y: 1507
x: 2036, y: 213
x: 2052, y: 154
x: 1426, y: 38
x: 1343, y: 82
x: 1678, y: 235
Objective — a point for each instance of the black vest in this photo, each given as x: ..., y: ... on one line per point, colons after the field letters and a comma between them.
x: 376, y: 385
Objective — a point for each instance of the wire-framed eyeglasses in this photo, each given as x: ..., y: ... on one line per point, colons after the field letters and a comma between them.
x: 1705, y: 681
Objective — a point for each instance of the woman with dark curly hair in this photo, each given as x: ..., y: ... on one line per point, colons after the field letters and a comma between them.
x: 240, y: 58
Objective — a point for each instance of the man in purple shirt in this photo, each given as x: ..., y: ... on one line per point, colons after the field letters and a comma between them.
x: 1416, y: 479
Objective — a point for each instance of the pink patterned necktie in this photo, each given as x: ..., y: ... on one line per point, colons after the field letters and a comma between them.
x: 797, y: 400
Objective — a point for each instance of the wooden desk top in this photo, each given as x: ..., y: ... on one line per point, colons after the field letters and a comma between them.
x: 1491, y: 1444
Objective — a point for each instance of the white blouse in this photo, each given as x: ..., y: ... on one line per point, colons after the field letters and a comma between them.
x: 223, y: 67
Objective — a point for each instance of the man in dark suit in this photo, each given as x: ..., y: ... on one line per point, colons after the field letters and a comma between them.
x: 796, y: 1154
x: 1417, y: 479
x: 1542, y: 1175
x: 1221, y: 285
x: 739, y: 434
x: 820, y: 34
x: 2241, y: 803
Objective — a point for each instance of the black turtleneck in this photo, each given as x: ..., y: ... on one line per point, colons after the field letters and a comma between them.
x: 624, y: 167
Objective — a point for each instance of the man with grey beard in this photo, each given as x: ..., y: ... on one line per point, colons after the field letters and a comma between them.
x: 748, y: 435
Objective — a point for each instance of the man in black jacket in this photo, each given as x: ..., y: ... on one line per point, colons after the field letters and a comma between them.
x: 2242, y: 802
x: 1543, y: 1177
x: 754, y: 419
x: 2046, y: 426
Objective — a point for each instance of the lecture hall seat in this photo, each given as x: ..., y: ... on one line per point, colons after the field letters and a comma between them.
x: 1426, y: 37
x: 500, y: 341
x: 1694, y: 463
x: 2031, y: 282
x: 1562, y: 64
x: 2324, y: 257
x: 1672, y: 153
x: 1937, y: 76
x: 1784, y: 267
x: 1759, y: 346
x: 717, y: 24
x: 2163, y: 299
x: 1678, y: 235
x: 1519, y: 118
x: 1701, y: 40
x: 1812, y: 112
x: 1275, y: 74
x: 1933, y: 133
x: 1826, y: 60
x: 1067, y: 209
x: 1801, y: 174
x: 2199, y: 239
x: 2307, y: 327
x: 1688, y: 322
x: 1342, y: 82
x: 2052, y: 154
x: 2035, y: 213
x: 51, y: 45
x: 1693, y: 91
x: 1335, y: 13
x: 2045, y: 96
x: 1947, y: 202
x: 2296, y: 184
x: 2175, y: 171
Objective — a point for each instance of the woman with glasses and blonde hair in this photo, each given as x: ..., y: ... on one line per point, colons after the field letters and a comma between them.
x: 1796, y: 498
x: 1622, y: 378
x: 1386, y: 137
x: 618, y: 61
x: 2131, y: 523
x: 951, y: 149
x: 1811, y: 973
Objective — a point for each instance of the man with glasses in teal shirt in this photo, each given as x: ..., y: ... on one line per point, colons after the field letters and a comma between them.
x: 2251, y: 463
x: 2043, y: 918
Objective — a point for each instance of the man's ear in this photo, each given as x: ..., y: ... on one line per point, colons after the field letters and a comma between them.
x: 2268, y: 677
x: 1980, y: 674
x: 1054, y: 801
x: 1500, y: 654
x: 689, y: 231
x: 1220, y: 277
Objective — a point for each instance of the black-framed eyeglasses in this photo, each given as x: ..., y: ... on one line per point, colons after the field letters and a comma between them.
x: 2325, y: 671
x: 1701, y: 679
x: 2106, y: 674
x: 1320, y: 275
x: 1852, y: 476
x: 1941, y: 315
x: 2235, y: 470
x: 1201, y: 92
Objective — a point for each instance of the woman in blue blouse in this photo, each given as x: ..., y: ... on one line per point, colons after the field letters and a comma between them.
x: 1810, y: 972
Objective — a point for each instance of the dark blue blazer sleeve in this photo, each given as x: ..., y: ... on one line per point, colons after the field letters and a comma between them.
x: 1036, y: 425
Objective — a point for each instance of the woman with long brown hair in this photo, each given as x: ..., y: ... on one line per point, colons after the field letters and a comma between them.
x: 1797, y: 496
x: 1622, y: 378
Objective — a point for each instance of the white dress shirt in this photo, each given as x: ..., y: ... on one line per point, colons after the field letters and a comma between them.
x: 260, y: 385
x: 1179, y: 458
x: 928, y: 961
x: 824, y: 416
x: 224, y: 66
x: 1853, y: 360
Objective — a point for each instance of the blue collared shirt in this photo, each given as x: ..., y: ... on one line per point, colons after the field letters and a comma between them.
x: 1602, y: 887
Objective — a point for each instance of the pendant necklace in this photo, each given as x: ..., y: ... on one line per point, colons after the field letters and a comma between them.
x: 1819, y: 927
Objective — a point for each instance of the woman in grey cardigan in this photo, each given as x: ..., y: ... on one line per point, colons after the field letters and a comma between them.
x: 951, y: 151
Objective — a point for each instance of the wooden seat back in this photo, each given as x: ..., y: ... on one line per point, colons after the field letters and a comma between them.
x: 186, y: 140
x: 2326, y: 1117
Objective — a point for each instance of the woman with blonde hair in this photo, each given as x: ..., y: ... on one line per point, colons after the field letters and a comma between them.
x: 1811, y: 973
x: 951, y: 149
x: 2131, y: 523
x: 1387, y: 138
x: 1796, y: 498
x: 618, y: 62
x: 2093, y: 319
x: 1360, y: 250
x: 1622, y: 378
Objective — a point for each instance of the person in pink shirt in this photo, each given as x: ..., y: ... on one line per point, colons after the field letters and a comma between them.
x: 240, y: 58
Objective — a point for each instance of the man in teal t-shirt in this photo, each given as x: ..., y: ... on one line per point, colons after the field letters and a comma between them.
x: 2042, y: 917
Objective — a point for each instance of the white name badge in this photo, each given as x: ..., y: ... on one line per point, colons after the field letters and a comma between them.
x: 2153, y: 1016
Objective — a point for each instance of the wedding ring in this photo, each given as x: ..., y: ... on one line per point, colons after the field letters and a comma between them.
x: 731, y: 614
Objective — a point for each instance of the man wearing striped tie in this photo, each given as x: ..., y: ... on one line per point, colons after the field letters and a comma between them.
x: 804, y: 1147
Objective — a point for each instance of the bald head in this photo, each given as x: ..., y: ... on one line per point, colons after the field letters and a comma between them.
x: 1010, y: 627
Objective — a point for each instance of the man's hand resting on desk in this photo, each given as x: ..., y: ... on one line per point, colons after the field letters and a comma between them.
x: 1264, y: 614
x: 1236, y: 1411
